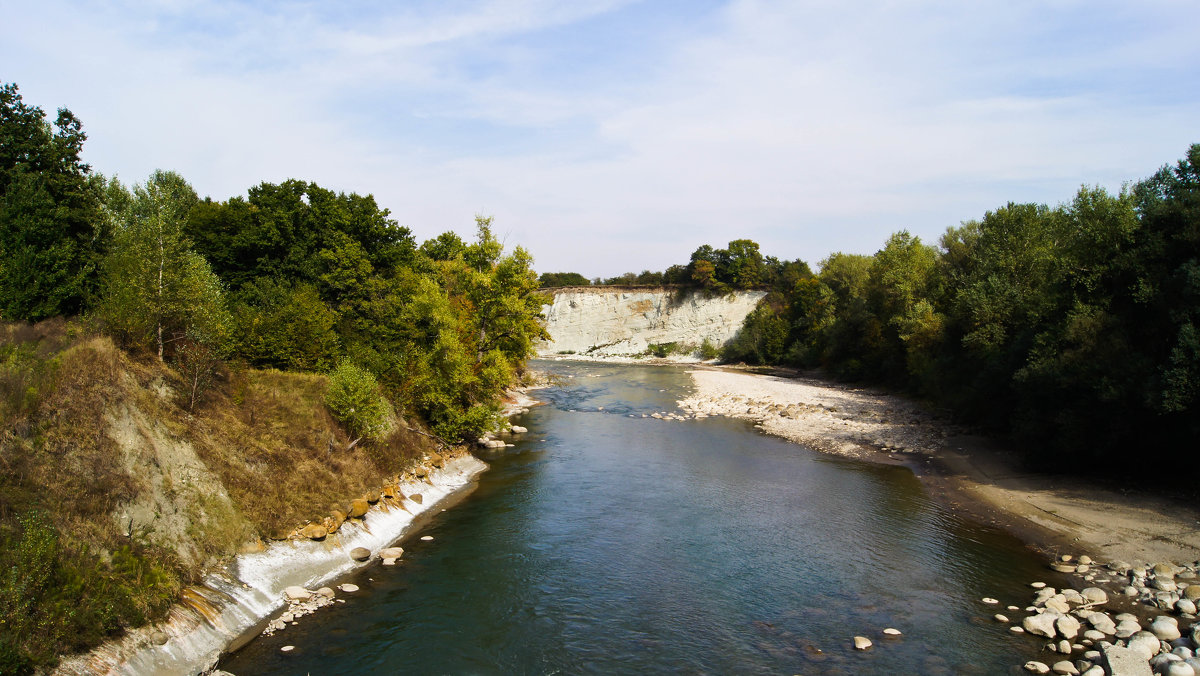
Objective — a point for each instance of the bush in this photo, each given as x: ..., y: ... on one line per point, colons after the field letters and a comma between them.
x: 708, y: 351
x: 354, y: 399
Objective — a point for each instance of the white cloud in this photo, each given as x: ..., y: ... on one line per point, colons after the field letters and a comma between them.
x: 809, y: 126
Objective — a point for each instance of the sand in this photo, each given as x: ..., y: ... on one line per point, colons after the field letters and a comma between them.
x: 970, y: 474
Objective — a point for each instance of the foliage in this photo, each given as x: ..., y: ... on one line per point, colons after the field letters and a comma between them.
x: 51, y: 236
x: 156, y: 289
x: 355, y: 401
x: 284, y: 326
x: 557, y: 279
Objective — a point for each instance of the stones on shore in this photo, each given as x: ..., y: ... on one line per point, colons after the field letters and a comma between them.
x: 1076, y: 623
x: 360, y: 553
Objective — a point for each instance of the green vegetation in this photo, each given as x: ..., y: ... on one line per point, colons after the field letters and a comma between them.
x: 1071, y: 329
x: 354, y: 398
x: 549, y: 280
x: 178, y: 311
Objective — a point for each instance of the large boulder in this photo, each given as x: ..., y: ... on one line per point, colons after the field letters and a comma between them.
x: 296, y: 593
x: 1145, y: 644
x: 1165, y: 628
x: 1068, y: 626
x: 314, y: 531
x: 1125, y: 662
x: 1040, y: 625
x: 358, y: 508
x: 1094, y: 595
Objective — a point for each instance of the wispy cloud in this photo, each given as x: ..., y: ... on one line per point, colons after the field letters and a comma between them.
x: 616, y: 135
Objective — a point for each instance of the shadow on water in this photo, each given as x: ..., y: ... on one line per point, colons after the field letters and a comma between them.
x: 605, y: 543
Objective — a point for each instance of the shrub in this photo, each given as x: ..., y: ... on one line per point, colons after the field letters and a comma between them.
x: 354, y: 398
x: 708, y: 350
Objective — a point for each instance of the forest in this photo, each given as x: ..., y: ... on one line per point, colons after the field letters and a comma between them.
x: 1072, y: 330
x: 291, y: 276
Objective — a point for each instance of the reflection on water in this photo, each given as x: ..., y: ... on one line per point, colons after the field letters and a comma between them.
x: 606, y: 542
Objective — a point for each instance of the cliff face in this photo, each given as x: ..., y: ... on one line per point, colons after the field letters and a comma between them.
x: 622, y: 322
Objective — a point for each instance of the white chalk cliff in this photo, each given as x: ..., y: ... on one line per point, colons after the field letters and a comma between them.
x: 622, y: 322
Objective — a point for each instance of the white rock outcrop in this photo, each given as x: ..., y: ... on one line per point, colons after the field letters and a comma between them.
x: 608, y: 322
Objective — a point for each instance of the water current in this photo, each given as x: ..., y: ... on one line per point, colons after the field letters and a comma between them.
x: 604, y: 542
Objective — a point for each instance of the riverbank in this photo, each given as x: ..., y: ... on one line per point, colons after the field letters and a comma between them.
x: 970, y: 474
x: 233, y: 603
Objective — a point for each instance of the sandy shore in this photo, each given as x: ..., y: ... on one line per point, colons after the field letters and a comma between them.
x: 971, y: 474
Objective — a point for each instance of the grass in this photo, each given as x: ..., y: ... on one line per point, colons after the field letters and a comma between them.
x: 71, y: 575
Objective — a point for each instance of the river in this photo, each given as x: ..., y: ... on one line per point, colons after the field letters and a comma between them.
x: 605, y: 543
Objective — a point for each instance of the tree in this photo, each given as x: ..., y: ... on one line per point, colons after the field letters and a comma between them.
x: 51, y: 234
x: 156, y: 289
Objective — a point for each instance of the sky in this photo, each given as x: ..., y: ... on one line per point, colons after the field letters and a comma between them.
x: 609, y: 136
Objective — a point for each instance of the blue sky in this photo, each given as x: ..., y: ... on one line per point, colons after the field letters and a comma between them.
x: 613, y: 135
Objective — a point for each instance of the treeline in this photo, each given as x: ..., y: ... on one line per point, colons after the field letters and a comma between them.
x: 292, y: 276
x: 1073, y: 329
x: 739, y: 266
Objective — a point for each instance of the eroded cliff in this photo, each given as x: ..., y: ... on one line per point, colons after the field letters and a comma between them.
x: 625, y: 322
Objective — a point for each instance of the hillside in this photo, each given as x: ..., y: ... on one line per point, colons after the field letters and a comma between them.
x: 114, y: 496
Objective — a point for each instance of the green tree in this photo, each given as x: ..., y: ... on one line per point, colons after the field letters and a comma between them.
x: 156, y: 289
x: 51, y: 233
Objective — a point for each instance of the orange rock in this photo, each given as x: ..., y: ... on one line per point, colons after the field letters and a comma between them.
x: 314, y: 531
x: 358, y: 508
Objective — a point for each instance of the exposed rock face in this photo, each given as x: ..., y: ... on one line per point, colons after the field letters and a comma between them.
x: 604, y: 322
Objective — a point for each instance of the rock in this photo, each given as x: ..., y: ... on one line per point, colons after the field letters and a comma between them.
x: 1038, y: 585
x: 1040, y: 625
x: 389, y: 561
x: 158, y: 638
x: 1068, y: 626
x: 517, y: 429
x: 421, y: 472
x: 360, y: 553
x: 314, y: 531
x: 1145, y: 644
x: 416, y: 497
x: 358, y: 508
x: 1192, y: 592
x: 1119, y: 566
x: 1127, y: 628
x: 1082, y: 568
x: 1094, y: 670
x: 437, y: 460
x: 1165, y: 628
x: 1094, y: 595
x: 861, y: 643
x: 1165, y: 570
x: 990, y: 601
x: 1064, y: 647
x: 296, y: 593
x: 287, y: 648
x: 1035, y: 667
x: 1185, y: 606
x: 1086, y: 560
x: 1164, y: 584
x: 1073, y: 597
x: 1120, y: 661
x: 1058, y: 603
x: 1179, y: 668
x: 391, y: 552
x: 1000, y: 618
x: 1064, y: 667
x: 891, y: 631
x: 1063, y: 567
x: 1094, y: 635
x: 348, y: 588
x: 372, y: 497
x: 325, y: 592
x: 1102, y: 623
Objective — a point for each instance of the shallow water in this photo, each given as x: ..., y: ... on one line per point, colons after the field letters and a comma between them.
x: 604, y: 543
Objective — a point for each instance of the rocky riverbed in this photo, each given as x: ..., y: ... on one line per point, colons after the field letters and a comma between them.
x: 1117, y: 618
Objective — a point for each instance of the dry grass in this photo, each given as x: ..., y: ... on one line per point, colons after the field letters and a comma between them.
x: 264, y: 436
x: 283, y: 458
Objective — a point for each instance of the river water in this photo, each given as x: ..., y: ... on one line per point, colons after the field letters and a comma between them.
x: 609, y: 543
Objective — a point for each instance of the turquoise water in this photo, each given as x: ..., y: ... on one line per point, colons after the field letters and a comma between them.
x: 604, y: 544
